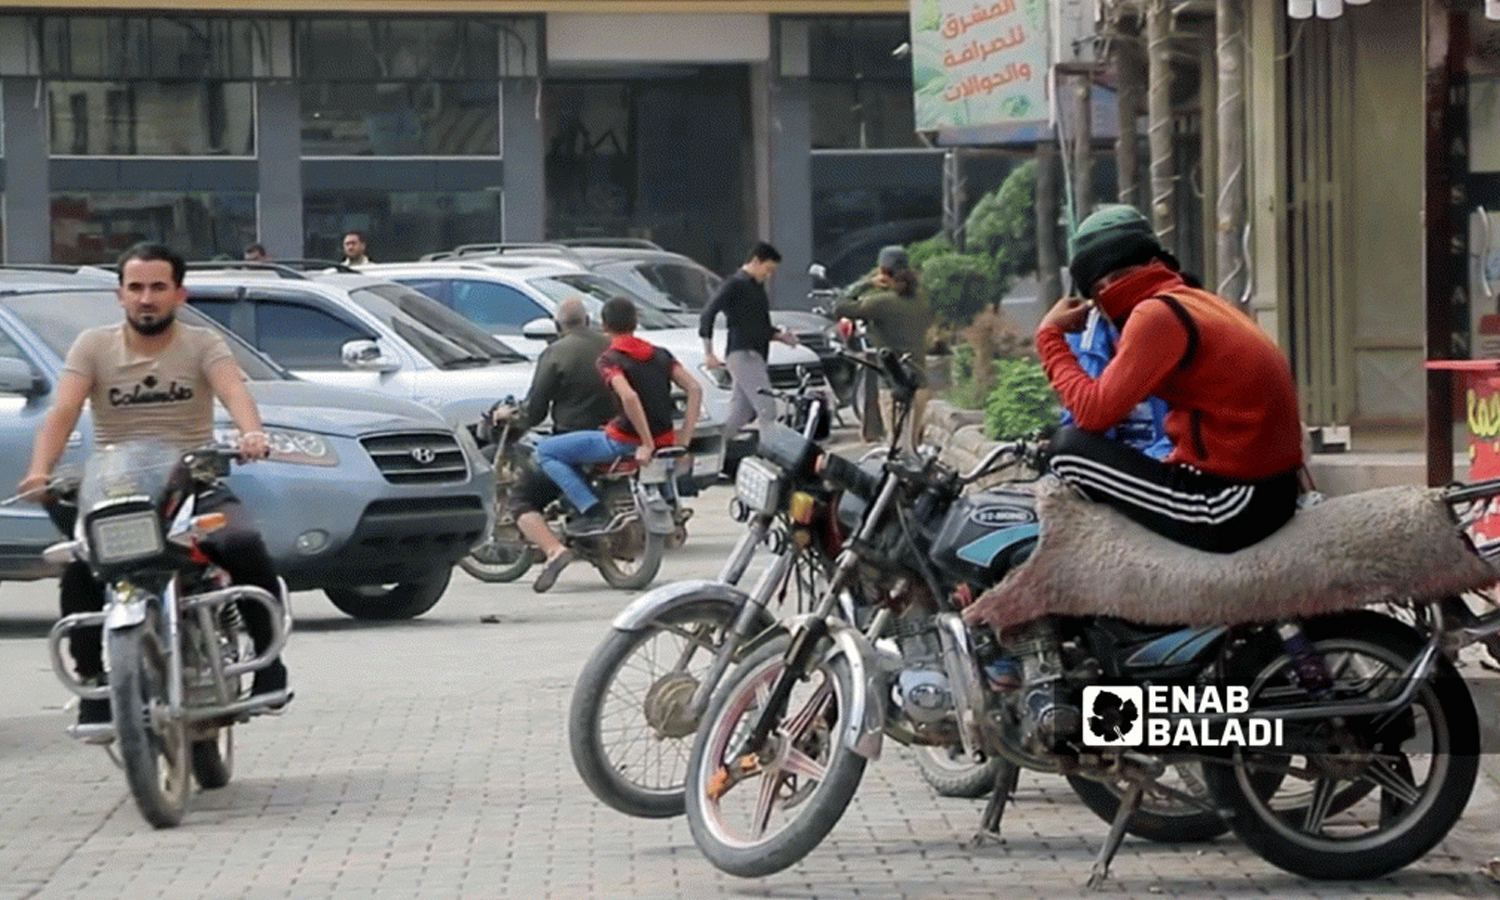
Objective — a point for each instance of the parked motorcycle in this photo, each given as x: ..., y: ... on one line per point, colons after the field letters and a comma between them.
x: 175, y: 644
x: 648, y: 514
x: 640, y: 696
x: 1375, y: 763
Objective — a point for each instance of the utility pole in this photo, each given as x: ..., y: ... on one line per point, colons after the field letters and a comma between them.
x: 1048, y: 256
x: 1129, y: 69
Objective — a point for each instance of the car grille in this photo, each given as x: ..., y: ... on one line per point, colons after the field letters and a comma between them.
x: 417, y: 457
x: 787, y: 377
x: 816, y: 341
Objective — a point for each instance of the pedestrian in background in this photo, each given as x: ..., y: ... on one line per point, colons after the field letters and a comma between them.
x: 894, y: 305
x: 747, y: 312
x: 355, y: 249
x: 255, y: 252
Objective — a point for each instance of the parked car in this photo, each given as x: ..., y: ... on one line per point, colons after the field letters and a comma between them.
x: 370, y: 499
x: 363, y: 331
x: 669, y: 280
x: 509, y: 301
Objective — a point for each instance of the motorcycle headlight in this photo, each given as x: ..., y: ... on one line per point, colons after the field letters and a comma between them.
x: 289, y: 445
x: 757, y: 484
x: 134, y: 532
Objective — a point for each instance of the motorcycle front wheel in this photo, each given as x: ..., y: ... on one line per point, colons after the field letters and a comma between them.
x: 1357, y: 796
x: 153, y: 748
x: 504, y: 555
x: 752, y: 814
x: 949, y: 772
x: 629, y: 729
x: 213, y: 759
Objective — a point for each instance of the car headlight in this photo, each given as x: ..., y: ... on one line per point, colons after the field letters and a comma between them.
x: 757, y: 484
x: 289, y: 445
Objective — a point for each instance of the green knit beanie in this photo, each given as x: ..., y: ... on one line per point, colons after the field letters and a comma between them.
x: 1112, y: 237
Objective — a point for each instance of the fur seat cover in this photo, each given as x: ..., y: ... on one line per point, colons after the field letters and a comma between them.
x: 1384, y: 544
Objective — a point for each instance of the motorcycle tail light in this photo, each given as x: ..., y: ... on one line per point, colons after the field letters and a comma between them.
x: 801, y: 507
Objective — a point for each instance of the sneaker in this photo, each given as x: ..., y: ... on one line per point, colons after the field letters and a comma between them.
x: 596, y: 520
x: 94, y: 712
x: 548, y: 576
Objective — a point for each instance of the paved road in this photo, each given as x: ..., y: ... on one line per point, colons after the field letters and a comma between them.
x: 426, y: 759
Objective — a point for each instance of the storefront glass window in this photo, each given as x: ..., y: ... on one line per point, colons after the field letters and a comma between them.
x: 92, y: 227
x: 861, y: 94
x: 400, y: 87
x: 160, y: 86
x: 399, y: 225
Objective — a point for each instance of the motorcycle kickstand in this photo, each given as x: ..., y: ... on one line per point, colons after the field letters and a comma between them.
x: 1128, y: 805
x: 1005, y: 787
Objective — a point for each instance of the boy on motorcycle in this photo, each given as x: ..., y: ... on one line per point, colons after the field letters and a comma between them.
x: 1231, y: 477
x: 640, y: 378
x: 152, y: 377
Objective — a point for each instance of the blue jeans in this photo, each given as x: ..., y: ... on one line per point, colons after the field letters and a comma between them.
x: 560, y: 456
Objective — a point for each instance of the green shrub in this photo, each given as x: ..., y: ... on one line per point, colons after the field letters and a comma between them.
x: 1022, y: 401
x: 959, y: 285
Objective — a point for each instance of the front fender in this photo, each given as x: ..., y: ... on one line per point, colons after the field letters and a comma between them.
x: 870, y: 670
x: 644, y: 609
x: 125, y: 611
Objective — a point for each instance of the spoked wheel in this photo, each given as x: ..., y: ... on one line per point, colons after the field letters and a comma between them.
x: 952, y: 774
x: 629, y: 726
x: 1162, y: 816
x: 153, y: 748
x: 1357, y: 796
x: 755, y: 813
x: 213, y: 759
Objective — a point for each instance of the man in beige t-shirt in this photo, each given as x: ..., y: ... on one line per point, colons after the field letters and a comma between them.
x: 154, y: 378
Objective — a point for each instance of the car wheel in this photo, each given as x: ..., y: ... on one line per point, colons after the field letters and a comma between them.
x: 406, y: 600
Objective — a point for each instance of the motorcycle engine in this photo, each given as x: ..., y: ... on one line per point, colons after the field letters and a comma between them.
x: 921, y: 689
x: 1045, y: 705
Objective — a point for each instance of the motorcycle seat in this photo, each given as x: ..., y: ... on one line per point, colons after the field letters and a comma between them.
x: 1379, y: 545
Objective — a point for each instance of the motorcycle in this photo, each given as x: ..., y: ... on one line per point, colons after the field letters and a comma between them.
x: 648, y: 516
x: 649, y: 681
x: 1374, y: 760
x: 176, y: 648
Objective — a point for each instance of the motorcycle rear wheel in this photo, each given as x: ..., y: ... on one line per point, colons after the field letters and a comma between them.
x: 631, y: 558
x: 785, y: 801
x: 153, y: 749
x: 628, y: 727
x: 1391, y: 787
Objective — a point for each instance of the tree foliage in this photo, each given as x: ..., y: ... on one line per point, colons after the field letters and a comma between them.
x: 1022, y: 401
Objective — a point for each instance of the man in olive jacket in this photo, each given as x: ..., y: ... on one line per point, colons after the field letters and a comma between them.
x: 898, y: 312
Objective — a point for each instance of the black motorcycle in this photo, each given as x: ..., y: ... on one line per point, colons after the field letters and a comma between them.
x: 1372, y: 735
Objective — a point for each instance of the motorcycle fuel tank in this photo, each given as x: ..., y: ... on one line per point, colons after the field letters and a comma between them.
x: 985, y: 535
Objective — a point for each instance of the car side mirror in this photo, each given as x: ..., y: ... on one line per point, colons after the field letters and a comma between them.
x: 366, y: 356
x: 18, y: 377
x: 543, y: 329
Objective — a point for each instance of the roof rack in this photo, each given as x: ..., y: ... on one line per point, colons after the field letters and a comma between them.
x: 621, y: 243
x: 285, y: 268
x: 501, y: 249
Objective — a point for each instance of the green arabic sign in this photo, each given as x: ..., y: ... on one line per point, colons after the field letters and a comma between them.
x: 978, y: 64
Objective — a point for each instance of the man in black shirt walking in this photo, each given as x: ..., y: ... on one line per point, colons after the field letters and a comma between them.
x: 743, y: 301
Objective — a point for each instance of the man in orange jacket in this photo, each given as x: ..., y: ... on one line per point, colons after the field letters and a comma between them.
x: 1232, y: 477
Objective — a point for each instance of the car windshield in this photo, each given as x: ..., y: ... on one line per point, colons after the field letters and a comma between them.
x: 448, y: 340
x: 595, y: 290
x: 680, y: 285
x: 57, y: 320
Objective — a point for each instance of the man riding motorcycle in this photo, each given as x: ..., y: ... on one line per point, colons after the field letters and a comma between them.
x: 152, y: 377
x: 1232, y: 477
x: 566, y: 383
x: 640, y: 377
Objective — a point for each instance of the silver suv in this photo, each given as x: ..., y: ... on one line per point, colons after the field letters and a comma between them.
x: 363, y: 331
